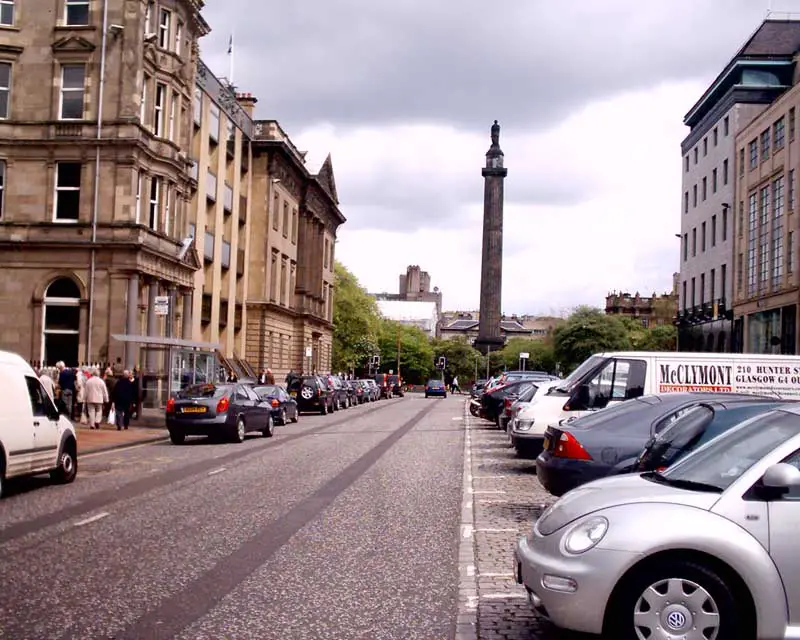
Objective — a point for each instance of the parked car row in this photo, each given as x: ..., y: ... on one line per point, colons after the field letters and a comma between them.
x: 229, y: 411
x: 679, y: 484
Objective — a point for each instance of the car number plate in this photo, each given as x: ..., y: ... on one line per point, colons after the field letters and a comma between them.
x: 194, y: 410
x: 293, y: 394
x: 546, y: 443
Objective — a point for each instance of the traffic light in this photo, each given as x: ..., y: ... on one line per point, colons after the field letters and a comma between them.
x: 376, y: 361
x: 442, y: 364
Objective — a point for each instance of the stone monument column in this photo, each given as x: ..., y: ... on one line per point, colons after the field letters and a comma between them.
x: 494, y: 173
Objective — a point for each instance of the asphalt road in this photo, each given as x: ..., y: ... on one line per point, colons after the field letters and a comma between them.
x: 341, y: 526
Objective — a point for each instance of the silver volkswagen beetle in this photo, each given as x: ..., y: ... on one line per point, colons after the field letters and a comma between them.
x: 707, y: 550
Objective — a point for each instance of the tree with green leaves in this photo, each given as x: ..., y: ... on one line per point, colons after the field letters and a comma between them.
x: 411, y: 345
x: 541, y: 354
x: 462, y: 359
x: 356, y: 322
x: 588, y: 331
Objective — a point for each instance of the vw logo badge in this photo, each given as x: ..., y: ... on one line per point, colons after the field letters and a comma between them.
x: 676, y: 620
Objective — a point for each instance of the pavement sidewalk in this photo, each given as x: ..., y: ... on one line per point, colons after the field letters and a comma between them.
x: 107, y: 438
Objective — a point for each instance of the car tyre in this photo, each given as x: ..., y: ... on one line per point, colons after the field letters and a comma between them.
x: 269, y: 430
x: 67, y: 468
x: 282, y: 419
x: 239, y: 431
x: 296, y: 416
x: 628, y: 600
x: 324, y: 409
x: 177, y: 437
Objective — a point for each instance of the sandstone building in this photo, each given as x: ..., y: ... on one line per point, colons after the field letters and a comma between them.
x: 133, y: 206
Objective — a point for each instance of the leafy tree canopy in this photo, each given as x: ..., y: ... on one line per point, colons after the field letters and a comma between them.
x: 587, y: 331
x: 416, y: 357
x: 356, y: 322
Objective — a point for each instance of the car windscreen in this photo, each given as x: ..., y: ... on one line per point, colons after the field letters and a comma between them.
x: 723, y: 460
x: 700, y: 425
x: 205, y: 391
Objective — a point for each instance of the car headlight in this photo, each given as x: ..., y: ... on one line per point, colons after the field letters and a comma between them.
x: 586, y: 535
x: 524, y: 425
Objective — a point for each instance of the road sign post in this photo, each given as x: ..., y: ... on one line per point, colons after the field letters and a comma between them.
x: 523, y: 359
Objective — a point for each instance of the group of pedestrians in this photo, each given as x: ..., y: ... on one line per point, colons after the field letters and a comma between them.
x: 83, y: 394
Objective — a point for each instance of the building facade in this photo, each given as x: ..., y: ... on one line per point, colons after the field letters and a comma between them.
x: 766, y: 288
x: 130, y: 205
x: 754, y: 78
x: 464, y: 325
x: 650, y: 311
x: 96, y: 187
x: 290, y: 292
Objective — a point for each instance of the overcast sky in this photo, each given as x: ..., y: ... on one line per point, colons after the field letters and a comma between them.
x: 590, y: 95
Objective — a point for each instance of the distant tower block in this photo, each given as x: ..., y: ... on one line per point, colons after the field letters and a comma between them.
x: 494, y: 173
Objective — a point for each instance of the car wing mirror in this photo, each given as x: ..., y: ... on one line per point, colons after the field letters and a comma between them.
x: 781, y: 476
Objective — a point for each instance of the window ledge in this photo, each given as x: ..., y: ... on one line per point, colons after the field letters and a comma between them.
x: 9, y: 27
x: 77, y: 27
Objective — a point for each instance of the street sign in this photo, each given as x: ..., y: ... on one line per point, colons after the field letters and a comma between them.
x: 161, y: 305
x: 309, y: 352
x: 524, y: 355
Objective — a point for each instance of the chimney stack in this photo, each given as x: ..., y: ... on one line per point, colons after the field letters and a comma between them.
x: 248, y: 103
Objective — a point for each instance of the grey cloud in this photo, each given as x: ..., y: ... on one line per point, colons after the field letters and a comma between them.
x: 460, y: 62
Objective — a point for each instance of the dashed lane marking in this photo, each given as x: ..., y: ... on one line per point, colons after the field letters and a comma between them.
x: 216, y: 471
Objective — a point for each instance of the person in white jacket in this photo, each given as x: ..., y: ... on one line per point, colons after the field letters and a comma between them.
x: 95, y: 396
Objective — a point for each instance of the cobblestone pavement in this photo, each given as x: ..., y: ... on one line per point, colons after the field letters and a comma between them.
x: 504, y: 493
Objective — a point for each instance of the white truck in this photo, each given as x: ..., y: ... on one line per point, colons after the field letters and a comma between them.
x: 614, y: 377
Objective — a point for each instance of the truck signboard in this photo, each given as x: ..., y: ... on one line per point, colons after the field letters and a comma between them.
x: 759, y: 378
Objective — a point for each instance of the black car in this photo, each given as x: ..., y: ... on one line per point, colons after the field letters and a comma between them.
x: 609, y: 441
x: 493, y: 403
x: 396, y: 385
x: 697, y: 426
x: 311, y: 394
x: 284, y: 407
x: 220, y: 411
x: 361, y: 391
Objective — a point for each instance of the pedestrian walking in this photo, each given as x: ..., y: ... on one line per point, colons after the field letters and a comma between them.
x: 454, y: 386
x: 48, y: 384
x: 124, y: 399
x: 66, y: 385
x: 95, y: 398
x: 110, y: 379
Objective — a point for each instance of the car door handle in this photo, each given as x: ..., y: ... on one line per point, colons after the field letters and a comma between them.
x: 36, y: 424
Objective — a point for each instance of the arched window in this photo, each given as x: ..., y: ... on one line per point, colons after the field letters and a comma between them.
x: 61, y: 324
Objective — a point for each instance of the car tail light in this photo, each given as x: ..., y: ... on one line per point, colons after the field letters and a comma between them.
x: 275, y: 403
x: 569, y: 447
x: 171, y: 405
x: 222, y: 405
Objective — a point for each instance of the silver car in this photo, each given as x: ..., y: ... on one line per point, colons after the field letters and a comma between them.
x: 706, y: 550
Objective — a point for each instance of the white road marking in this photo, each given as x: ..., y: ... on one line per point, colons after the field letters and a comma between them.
x: 490, y: 477
x: 458, y: 418
x: 498, y: 491
x: 493, y: 501
x: 495, y: 575
x: 472, y: 602
x: 216, y: 471
x: 503, y: 596
x: 471, y: 570
x: 496, y: 530
x: 466, y: 531
x: 94, y: 518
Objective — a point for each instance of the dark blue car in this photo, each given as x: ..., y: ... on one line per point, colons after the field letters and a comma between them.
x: 435, y: 388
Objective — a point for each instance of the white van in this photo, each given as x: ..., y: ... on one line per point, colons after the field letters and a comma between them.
x: 612, y: 377
x: 34, y: 438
